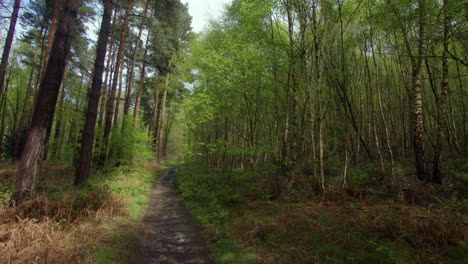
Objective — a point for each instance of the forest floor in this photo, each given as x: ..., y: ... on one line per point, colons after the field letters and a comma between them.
x: 354, y: 225
x: 97, y: 223
x: 168, y: 233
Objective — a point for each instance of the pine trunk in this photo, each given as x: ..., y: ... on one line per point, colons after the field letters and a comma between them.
x: 8, y: 42
x: 87, y: 138
x: 132, y: 66
x: 52, y: 30
x: 142, y: 80
x: 111, y: 99
x: 59, y: 115
x: 161, y: 125
x: 26, y: 103
x: 36, y: 138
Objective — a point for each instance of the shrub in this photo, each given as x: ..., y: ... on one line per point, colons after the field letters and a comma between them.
x: 129, y: 144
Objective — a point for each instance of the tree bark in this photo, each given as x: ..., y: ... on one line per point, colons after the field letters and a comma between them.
x: 417, y: 101
x: 417, y: 120
x: 142, y: 79
x: 132, y: 66
x: 319, y: 96
x: 52, y: 30
x: 29, y: 92
x: 155, y: 119
x: 442, y: 110
x: 111, y: 99
x: 87, y: 137
x: 8, y: 42
x: 36, y: 138
x: 103, y: 95
x: 119, y: 98
x: 163, y: 110
x: 3, y: 109
x: 59, y: 115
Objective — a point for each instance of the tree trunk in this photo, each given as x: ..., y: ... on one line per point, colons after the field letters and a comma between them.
x: 132, y: 66
x: 319, y: 96
x: 8, y: 42
x: 3, y: 109
x: 36, y: 138
x: 417, y: 120
x: 417, y: 102
x: 155, y: 120
x: 29, y: 91
x: 87, y: 138
x: 442, y: 111
x: 103, y: 95
x: 110, y: 101
x: 142, y: 80
x: 163, y: 110
x: 119, y: 98
x: 52, y: 30
x: 59, y: 115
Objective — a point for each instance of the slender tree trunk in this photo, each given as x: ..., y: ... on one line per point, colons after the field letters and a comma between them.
x: 345, y: 168
x: 382, y: 114
x: 319, y: 95
x: 155, y: 120
x: 38, y: 80
x: 8, y: 42
x: 119, y: 98
x: 52, y: 30
x: 163, y: 111
x: 417, y: 101
x: 3, y: 108
x: 26, y: 103
x: 59, y: 115
x: 87, y: 137
x: 36, y: 138
x: 103, y: 95
x: 142, y: 80
x: 110, y: 101
x: 372, y: 107
x: 132, y: 66
x: 442, y: 110
x: 417, y: 120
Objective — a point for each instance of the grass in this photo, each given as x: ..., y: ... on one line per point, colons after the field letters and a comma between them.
x: 64, y: 224
x: 362, y: 225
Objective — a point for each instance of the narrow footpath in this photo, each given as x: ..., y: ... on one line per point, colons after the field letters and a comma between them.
x: 168, y: 233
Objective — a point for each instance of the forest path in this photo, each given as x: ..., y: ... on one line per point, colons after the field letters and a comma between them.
x: 168, y: 233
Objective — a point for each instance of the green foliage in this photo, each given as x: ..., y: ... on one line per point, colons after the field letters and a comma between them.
x: 358, y: 178
x: 460, y: 205
x: 129, y: 144
x: 6, y: 190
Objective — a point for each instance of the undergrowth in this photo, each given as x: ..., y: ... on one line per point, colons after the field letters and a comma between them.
x: 357, y: 224
x: 64, y: 224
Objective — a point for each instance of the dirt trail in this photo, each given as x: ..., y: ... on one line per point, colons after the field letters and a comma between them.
x: 168, y: 233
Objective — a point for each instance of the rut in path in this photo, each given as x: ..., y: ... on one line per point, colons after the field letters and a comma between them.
x: 168, y: 233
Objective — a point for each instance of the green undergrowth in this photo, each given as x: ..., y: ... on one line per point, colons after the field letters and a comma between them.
x: 244, y: 225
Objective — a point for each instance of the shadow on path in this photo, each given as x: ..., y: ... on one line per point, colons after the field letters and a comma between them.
x: 168, y: 233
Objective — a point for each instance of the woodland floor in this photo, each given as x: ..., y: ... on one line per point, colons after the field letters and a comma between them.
x: 168, y: 233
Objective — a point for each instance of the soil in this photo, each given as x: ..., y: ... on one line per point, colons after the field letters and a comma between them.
x: 168, y: 232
